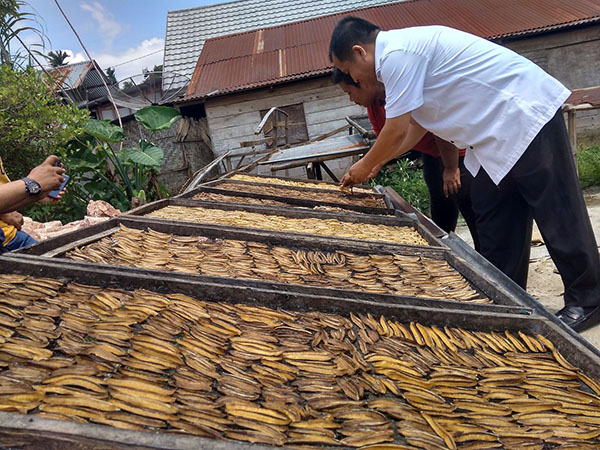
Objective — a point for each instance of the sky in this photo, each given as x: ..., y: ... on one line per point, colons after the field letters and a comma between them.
x: 115, y: 32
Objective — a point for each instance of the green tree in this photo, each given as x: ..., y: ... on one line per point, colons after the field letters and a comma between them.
x: 13, y: 22
x: 57, y: 58
x: 111, y: 78
x: 33, y: 121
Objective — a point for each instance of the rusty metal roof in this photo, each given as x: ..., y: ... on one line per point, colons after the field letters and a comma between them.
x: 81, y: 80
x: 587, y: 96
x: 71, y: 76
x: 187, y: 29
x: 299, y: 50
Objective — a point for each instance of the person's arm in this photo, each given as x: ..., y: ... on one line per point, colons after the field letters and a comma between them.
x: 13, y: 195
x: 451, y: 175
x: 13, y: 218
x: 399, y: 135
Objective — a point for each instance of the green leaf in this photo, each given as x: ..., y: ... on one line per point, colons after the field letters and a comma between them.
x: 156, y: 118
x: 79, y: 163
x: 98, y: 189
x: 104, y: 130
x: 124, y: 154
x: 149, y: 155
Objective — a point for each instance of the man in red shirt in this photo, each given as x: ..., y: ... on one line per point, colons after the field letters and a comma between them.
x: 447, y: 179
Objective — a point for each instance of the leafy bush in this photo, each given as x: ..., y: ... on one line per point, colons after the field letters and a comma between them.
x: 588, y: 165
x: 34, y: 123
x: 406, y: 178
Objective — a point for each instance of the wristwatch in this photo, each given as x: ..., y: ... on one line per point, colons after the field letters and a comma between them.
x: 31, y: 186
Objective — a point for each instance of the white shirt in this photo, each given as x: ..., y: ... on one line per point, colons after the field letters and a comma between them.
x: 468, y: 91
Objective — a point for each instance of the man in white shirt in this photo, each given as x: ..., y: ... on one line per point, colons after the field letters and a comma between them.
x: 505, y: 111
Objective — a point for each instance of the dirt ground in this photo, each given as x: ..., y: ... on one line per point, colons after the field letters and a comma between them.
x: 543, y: 282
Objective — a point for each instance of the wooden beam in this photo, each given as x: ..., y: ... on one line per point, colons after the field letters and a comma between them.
x: 80, y: 242
x: 331, y: 133
x: 200, y: 174
x: 268, y: 141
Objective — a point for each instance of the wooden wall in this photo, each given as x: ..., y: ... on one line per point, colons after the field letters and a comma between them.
x: 233, y: 118
x: 186, y: 147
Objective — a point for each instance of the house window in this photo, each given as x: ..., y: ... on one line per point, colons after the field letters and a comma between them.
x: 275, y: 126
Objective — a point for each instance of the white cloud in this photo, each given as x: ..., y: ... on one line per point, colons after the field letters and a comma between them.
x: 132, y: 66
x: 75, y: 57
x: 127, y: 62
x: 108, y: 27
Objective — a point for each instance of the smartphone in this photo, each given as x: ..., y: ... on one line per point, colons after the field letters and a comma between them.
x: 54, y: 193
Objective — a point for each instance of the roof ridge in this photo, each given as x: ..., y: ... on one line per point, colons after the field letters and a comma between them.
x: 310, y: 19
x: 212, y: 5
x: 546, y: 27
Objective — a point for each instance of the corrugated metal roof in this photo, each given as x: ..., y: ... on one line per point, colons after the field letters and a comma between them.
x: 72, y: 75
x: 297, y: 50
x: 585, y: 96
x: 81, y: 81
x: 187, y: 29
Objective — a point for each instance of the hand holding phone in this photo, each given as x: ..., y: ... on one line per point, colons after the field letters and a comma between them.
x: 55, y: 193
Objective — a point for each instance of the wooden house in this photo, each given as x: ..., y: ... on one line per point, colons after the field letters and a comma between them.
x: 238, y: 77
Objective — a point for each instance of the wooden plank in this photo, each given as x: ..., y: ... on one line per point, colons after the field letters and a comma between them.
x: 199, y: 176
x: 238, y: 132
x: 316, y: 130
x: 287, y: 196
x: 333, y: 114
x: 267, y: 141
x: 264, y: 98
x: 308, y: 90
x: 326, y: 104
x: 79, y: 242
x: 331, y: 133
x: 28, y: 432
x: 234, y: 119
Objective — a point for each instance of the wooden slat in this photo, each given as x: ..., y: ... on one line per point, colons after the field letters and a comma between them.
x: 80, y: 242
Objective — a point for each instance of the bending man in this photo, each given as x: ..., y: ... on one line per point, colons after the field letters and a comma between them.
x: 506, y: 112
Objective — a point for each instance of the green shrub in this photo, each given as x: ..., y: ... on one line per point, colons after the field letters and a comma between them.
x: 588, y: 165
x: 406, y: 178
x: 34, y: 123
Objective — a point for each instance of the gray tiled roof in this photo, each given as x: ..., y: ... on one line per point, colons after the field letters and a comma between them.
x: 187, y: 29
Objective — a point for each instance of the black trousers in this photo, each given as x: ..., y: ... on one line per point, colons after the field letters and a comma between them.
x: 542, y: 185
x: 444, y: 210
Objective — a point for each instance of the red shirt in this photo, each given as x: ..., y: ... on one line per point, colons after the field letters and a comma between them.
x: 426, y: 145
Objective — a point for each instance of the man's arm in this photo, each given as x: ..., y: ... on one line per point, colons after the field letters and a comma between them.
x: 399, y: 135
x: 451, y: 175
x: 13, y: 195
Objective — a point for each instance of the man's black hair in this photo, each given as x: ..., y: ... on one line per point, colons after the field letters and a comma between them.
x: 340, y: 77
x: 348, y: 32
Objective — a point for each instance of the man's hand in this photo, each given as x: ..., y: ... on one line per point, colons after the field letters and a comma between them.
x: 13, y: 218
x: 47, y: 174
x: 47, y: 199
x: 358, y: 173
x: 451, y: 179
